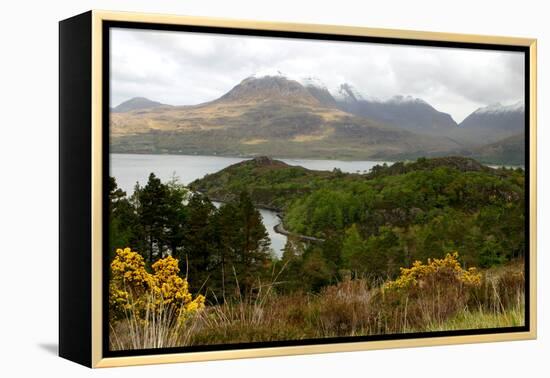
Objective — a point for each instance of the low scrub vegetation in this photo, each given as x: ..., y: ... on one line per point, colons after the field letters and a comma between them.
x: 432, y: 296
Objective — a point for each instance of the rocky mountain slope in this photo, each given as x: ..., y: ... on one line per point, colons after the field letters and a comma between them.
x: 269, y: 115
x: 405, y: 112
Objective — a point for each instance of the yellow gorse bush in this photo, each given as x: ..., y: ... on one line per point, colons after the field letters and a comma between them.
x: 129, y: 267
x: 446, y: 270
x: 428, y: 293
x: 133, y: 288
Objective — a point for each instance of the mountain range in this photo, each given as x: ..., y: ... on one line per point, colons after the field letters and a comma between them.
x: 278, y: 116
x: 406, y: 112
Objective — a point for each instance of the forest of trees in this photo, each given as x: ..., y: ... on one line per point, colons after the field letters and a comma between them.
x: 373, y: 224
x: 223, y: 251
x: 370, y: 225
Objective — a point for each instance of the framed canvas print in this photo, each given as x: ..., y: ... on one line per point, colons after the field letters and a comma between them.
x: 235, y: 189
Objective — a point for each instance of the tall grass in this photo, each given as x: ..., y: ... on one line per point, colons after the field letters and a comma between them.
x: 498, y: 302
x: 161, y: 326
x: 349, y: 308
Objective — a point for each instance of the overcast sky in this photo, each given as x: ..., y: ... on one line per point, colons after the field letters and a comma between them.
x: 180, y: 68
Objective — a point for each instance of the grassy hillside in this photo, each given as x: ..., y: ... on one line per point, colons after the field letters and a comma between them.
x: 273, y: 129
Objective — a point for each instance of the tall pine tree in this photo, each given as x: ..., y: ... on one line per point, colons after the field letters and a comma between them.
x: 252, y: 252
x: 152, y: 208
x: 122, y: 219
x: 198, y: 240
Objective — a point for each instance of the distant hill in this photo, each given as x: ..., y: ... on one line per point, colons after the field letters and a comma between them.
x: 136, y: 103
x: 271, y: 115
x: 491, y: 124
x: 508, y: 151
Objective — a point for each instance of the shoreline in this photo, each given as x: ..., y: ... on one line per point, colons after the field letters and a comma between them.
x: 279, y: 227
x: 248, y: 157
x: 489, y: 164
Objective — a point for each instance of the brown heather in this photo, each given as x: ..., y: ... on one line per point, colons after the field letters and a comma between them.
x: 349, y: 308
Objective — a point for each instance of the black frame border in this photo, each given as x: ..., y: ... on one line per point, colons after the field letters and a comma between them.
x: 105, y: 29
x: 75, y: 194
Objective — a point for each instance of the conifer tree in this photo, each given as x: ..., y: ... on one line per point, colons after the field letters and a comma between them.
x: 152, y: 205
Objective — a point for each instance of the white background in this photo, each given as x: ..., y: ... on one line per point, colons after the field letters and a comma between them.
x: 29, y: 189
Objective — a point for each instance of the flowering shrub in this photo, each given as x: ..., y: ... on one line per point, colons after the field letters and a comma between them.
x: 428, y: 293
x: 446, y: 270
x: 134, y: 289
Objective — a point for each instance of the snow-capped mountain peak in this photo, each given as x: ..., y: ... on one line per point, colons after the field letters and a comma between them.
x: 400, y: 99
x: 499, y: 108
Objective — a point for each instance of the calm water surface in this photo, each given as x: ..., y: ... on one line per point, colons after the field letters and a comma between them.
x: 129, y: 169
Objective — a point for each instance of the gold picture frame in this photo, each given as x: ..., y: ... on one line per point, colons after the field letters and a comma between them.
x: 89, y: 268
